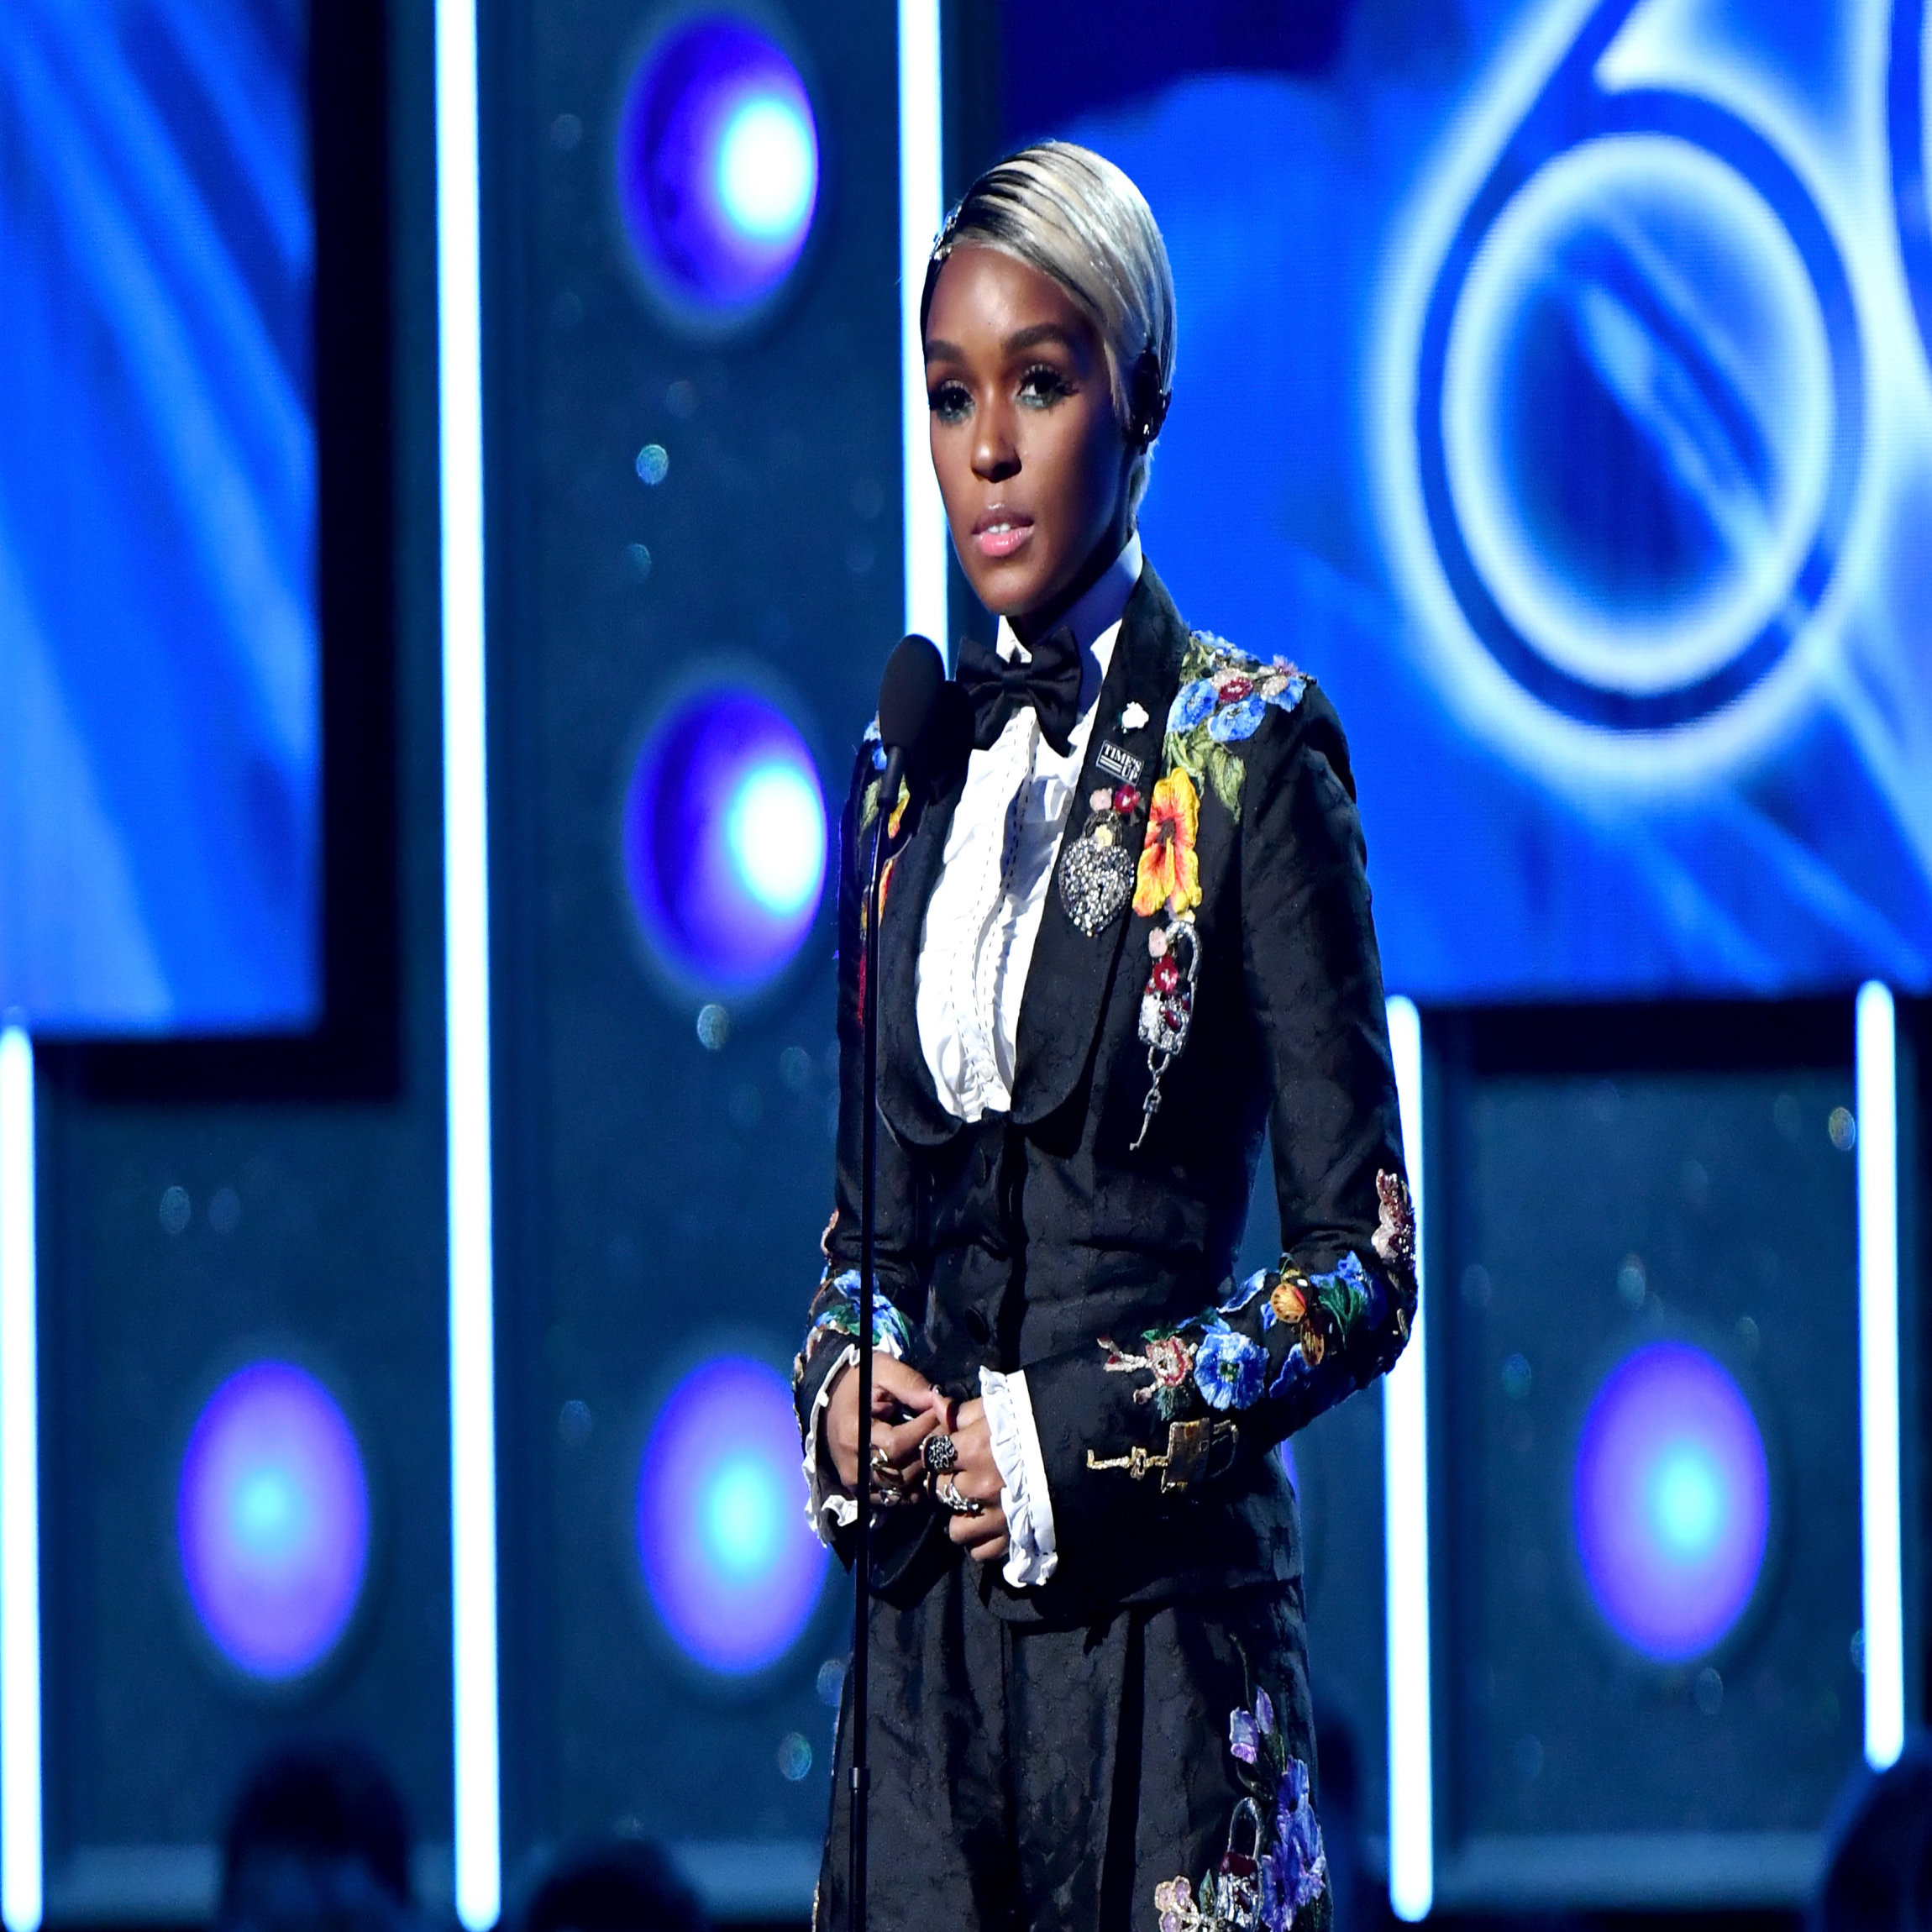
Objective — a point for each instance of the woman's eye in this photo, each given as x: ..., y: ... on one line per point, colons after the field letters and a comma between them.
x: 1042, y: 386
x: 950, y: 402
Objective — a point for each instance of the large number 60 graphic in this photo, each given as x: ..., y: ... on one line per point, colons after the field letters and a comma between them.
x: 1625, y: 208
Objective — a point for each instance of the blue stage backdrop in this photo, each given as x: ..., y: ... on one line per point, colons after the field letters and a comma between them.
x: 159, y: 712
x: 1554, y: 384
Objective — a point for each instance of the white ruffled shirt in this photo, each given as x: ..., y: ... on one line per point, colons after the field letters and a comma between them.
x: 981, y: 924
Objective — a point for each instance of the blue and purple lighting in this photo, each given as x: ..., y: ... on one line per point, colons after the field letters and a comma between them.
x: 724, y: 841
x: 272, y: 1520
x: 1673, y: 1501
x: 717, y: 167
x: 730, y: 1563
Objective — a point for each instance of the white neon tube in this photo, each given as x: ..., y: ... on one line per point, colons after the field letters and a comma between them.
x: 921, y: 210
x: 20, y: 1878
x: 1878, y: 1425
x: 1405, y: 1531
x: 466, y: 976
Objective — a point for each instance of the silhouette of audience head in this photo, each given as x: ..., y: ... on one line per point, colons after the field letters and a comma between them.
x: 615, y: 1885
x: 1878, y: 1869
x: 318, y: 1841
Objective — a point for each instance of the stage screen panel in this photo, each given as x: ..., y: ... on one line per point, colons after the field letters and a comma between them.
x: 160, y: 717
x: 1553, y: 384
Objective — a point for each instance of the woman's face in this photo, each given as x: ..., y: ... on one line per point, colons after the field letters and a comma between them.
x: 1032, y: 458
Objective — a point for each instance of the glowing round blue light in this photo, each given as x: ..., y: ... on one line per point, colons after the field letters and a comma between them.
x: 768, y: 168
x: 724, y: 840
x: 732, y: 1567
x: 775, y: 828
x: 1672, y: 1501
x: 717, y: 167
x: 272, y: 1521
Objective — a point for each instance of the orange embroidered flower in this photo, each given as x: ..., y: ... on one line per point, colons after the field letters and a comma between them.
x: 1169, y: 872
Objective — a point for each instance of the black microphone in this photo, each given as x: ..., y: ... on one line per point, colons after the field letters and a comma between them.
x: 908, y: 695
x: 925, y: 720
x: 918, y: 724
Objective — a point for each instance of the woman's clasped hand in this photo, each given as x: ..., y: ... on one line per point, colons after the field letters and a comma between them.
x: 912, y: 1423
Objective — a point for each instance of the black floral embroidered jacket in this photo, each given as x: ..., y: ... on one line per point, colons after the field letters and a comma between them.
x: 1088, y: 1238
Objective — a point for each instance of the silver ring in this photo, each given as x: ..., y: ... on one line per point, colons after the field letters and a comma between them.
x: 947, y: 1489
x: 941, y: 1455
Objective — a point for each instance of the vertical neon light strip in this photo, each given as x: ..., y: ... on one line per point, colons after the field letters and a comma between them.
x: 921, y: 210
x: 20, y: 1891
x: 1879, y: 1440
x: 1405, y: 1529
x: 466, y: 974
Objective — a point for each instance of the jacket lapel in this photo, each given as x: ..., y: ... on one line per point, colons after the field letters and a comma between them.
x: 906, y: 1095
x: 1068, y: 981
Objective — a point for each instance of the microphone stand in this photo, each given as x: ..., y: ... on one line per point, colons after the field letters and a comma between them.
x: 867, y: 1217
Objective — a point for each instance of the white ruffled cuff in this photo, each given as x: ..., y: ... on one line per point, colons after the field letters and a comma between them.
x: 826, y: 1496
x: 1031, y: 1554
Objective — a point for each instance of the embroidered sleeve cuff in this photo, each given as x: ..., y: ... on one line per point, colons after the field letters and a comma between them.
x: 1032, y: 1554
x: 829, y: 1507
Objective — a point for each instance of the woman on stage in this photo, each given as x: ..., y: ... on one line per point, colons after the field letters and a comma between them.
x: 1126, y: 933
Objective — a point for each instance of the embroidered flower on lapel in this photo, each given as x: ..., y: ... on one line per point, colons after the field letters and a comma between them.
x: 1224, y: 694
x: 1238, y: 721
x: 1170, y: 871
x: 1134, y: 716
x: 1193, y: 702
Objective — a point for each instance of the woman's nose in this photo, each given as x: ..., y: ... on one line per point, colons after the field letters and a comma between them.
x: 996, y: 456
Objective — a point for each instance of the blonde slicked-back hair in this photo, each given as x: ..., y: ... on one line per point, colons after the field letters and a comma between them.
x: 1073, y: 215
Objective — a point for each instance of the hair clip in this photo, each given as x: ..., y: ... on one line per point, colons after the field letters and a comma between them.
x: 942, y: 243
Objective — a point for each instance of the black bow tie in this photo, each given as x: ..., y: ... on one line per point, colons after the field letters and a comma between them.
x: 1049, y: 680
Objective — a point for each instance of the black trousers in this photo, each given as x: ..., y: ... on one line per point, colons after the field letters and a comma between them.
x: 1030, y: 1778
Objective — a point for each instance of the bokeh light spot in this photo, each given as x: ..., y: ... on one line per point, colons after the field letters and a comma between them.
x: 724, y: 838
x: 730, y: 1563
x: 1672, y: 1501
x: 272, y: 1521
x: 717, y: 167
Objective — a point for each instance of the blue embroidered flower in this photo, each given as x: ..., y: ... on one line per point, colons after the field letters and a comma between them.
x: 1305, y: 1864
x: 1239, y: 1298
x: 1192, y: 703
x: 1233, y: 722
x: 1295, y: 1868
x: 1351, y: 1270
x: 1294, y: 1369
x: 1228, y: 1367
x: 1264, y: 1710
x: 890, y: 1335
x: 1290, y: 695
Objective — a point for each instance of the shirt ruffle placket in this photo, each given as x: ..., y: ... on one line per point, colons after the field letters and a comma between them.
x: 976, y: 1003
